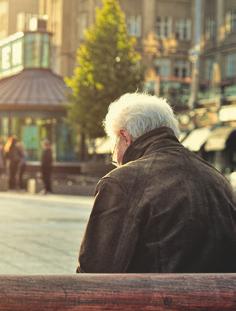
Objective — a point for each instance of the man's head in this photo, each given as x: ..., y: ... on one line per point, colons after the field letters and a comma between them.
x: 133, y: 115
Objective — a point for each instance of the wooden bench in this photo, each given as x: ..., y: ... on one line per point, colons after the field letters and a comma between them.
x: 118, y: 292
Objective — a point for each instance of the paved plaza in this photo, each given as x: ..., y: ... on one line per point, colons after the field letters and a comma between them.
x: 41, y: 234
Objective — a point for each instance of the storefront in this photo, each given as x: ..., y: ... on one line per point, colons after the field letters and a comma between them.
x: 32, y: 97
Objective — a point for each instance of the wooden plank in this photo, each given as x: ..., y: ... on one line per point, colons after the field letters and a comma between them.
x: 119, y: 292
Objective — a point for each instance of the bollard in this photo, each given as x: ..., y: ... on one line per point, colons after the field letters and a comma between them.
x: 31, y: 186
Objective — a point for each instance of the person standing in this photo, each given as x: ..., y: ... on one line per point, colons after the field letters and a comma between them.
x: 2, y: 160
x: 13, y: 155
x: 21, y: 165
x: 46, y: 166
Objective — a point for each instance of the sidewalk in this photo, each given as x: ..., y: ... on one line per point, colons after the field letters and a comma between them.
x: 41, y: 234
x: 14, y: 194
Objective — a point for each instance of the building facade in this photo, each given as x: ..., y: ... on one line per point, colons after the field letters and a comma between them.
x: 165, y: 42
x: 164, y: 37
x: 215, y: 85
x: 15, y: 15
x: 218, y: 57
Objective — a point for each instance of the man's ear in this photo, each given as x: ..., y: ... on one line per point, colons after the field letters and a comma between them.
x: 127, y: 137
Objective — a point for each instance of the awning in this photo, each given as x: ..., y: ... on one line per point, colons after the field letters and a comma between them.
x: 196, y: 139
x: 217, y: 138
x: 227, y: 113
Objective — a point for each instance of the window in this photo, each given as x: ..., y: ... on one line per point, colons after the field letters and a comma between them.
x: 32, y: 56
x: 134, y: 25
x: 163, y: 26
x: 37, y: 50
x: 181, y: 69
x: 230, y: 21
x: 162, y: 67
x: 183, y: 29
x: 230, y: 65
x: 158, y: 26
x: 208, y: 68
x: 210, y: 27
x: 45, y: 51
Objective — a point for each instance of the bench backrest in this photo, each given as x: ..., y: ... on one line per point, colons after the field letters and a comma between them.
x: 118, y: 292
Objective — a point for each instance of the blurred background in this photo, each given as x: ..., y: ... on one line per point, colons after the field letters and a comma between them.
x: 186, y: 50
x: 62, y: 62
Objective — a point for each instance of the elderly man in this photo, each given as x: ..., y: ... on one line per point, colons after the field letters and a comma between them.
x: 163, y: 209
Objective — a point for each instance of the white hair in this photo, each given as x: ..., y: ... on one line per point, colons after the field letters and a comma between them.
x: 138, y: 114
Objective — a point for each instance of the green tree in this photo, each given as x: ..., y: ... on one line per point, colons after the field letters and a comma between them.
x: 107, y: 66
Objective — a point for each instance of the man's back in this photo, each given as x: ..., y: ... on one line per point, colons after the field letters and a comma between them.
x: 165, y: 210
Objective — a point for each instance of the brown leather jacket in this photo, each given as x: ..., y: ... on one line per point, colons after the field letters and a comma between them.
x: 164, y: 210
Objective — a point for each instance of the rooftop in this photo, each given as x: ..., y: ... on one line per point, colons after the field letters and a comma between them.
x: 34, y: 89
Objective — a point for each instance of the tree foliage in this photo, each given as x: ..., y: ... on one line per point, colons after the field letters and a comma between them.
x: 107, y: 66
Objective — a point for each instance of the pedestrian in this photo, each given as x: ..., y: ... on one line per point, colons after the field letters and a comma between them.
x: 21, y: 165
x: 163, y: 209
x: 46, y: 166
x: 12, y: 154
x: 2, y: 160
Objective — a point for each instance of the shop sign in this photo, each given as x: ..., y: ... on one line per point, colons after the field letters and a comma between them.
x: 11, y: 55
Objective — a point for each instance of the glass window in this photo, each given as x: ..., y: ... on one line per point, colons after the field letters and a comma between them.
x: 230, y: 21
x: 31, y: 53
x: 134, y: 25
x: 210, y: 28
x: 37, y: 50
x: 208, y: 68
x: 158, y: 26
x: 64, y: 142
x: 163, y: 67
x: 45, y: 52
x: 181, y: 69
x: 231, y: 65
x: 163, y: 26
x: 183, y: 29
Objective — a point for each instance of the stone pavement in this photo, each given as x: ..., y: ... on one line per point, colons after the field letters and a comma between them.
x: 41, y: 234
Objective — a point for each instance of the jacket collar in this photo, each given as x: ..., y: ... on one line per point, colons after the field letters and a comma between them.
x: 150, y: 142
